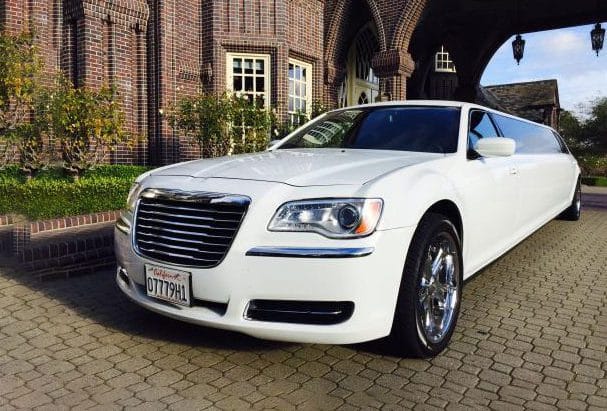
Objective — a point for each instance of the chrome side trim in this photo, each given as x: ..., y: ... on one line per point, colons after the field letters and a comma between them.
x: 123, y: 225
x: 301, y: 252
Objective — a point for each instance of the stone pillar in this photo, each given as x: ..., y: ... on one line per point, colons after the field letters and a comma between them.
x: 393, y: 67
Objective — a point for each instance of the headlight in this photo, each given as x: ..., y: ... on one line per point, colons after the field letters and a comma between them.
x: 333, y: 218
x: 131, y: 200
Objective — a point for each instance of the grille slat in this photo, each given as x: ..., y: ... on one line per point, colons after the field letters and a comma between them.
x: 183, y: 240
x: 170, y: 230
x: 182, y: 208
x: 178, y: 247
x: 187, y: 228
x: 182, y: 224
x: 173, y: 254
x: 188, y: 217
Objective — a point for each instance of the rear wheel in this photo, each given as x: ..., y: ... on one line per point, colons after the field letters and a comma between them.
x: 430, y: 292
x: 573, y: 212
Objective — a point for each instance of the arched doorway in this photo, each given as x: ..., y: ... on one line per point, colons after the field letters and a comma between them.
x: 360, y: 85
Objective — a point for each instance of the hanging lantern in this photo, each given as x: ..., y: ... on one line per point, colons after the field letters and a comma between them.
x: 597, y: 35
x: 518, y: 48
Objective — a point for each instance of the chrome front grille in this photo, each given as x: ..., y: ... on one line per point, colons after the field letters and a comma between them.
x: 189, y: 229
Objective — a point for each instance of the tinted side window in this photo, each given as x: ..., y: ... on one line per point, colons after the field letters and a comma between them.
x: 530, y: 139
x: 480, y: 126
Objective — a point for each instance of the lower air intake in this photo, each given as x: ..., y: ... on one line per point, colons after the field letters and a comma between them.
x: 300, y: 312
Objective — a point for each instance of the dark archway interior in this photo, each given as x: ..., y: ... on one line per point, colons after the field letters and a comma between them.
x: 473, y: 30
x: 356, y: 15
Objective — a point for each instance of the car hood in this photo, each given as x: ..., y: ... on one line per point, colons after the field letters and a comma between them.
x: 302, y: 167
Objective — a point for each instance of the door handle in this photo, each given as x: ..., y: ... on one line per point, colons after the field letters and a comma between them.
x: 513, y: 170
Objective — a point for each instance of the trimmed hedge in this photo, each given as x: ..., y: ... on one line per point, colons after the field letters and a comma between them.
x: 595, y: 181
x: 53, y: 195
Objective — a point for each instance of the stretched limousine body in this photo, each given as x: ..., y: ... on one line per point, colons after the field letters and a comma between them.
x: 362, y: 224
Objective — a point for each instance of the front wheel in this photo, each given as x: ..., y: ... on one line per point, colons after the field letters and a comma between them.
x: 430, y: 291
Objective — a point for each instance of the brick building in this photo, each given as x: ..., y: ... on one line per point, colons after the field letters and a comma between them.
x: 288, y: 53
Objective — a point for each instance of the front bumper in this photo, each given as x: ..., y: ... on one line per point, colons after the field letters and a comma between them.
x: 370, y: 280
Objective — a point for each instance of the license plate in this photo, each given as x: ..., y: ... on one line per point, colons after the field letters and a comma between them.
x: 167, y: 284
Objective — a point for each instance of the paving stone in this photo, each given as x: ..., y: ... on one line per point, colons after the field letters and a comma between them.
x: 531, y: 335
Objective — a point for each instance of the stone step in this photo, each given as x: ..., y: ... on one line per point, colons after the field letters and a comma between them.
x: 62, y: 253
x: 64, y: 243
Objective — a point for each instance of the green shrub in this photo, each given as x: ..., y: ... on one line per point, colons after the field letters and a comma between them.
x: 222, y: 124
x: 119, y: 171
x: 52, y: 195
x: 595, y: 181
x: 593, y: 165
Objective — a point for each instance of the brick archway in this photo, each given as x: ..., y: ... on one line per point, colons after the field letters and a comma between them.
x: 406, y: 23
x: 472, y: 31
x: 336, y: 47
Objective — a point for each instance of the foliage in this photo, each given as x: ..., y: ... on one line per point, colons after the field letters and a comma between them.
x: 587, y: 137
x: 300, y: 118
x: 596, y: 125
x: 204, y: 119
x: 51, y: 194
x: 20, y: 135
x: 570, y: 128
x: 593, y: 165
x: 221, y: 124
x: 318, y: 108
x: 86, y: 123
x: 250, y: 127
x: 595, y: 181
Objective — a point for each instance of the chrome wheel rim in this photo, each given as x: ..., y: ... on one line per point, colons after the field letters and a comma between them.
x: 438, y: 292
x: 578, y: 199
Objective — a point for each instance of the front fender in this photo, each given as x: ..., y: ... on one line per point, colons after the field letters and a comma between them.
x: 408, y: 196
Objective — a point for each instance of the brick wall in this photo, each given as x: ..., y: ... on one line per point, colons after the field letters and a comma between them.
x: 155, y: 51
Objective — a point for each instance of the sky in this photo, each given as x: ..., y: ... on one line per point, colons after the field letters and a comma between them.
x: 565, y: 55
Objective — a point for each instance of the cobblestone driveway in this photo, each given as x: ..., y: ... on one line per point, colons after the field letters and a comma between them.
x: 532, y: 333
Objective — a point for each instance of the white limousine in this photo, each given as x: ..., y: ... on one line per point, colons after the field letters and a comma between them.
x: 361, y: 224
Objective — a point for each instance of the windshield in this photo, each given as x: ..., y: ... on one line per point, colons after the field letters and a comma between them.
x: 412, y: 128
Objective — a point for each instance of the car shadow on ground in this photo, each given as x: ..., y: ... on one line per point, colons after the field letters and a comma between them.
x: 96, y: 298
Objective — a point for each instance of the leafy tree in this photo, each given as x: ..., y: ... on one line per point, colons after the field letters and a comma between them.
x: 250, y: 127
x: 587, y: 137
x: 572, y: 131
x: 86, y: 123
x: 21, y: 139
x: 596, y: 125
x: 204, y: 119
x: 221, y: 124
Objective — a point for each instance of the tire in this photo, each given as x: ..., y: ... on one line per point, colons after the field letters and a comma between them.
x: 573, y: 212
x: 423, y: 289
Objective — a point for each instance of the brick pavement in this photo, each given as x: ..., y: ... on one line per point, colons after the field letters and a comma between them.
x: 532, y: 334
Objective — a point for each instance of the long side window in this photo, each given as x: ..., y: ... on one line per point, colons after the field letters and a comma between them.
x: 530, y: 138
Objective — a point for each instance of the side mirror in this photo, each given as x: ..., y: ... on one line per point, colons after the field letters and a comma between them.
x: 495, y: 147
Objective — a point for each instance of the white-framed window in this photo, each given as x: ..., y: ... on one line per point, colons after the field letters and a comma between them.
x: 443, y: 62
x: 248, y: 75
x: 300, y: 90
